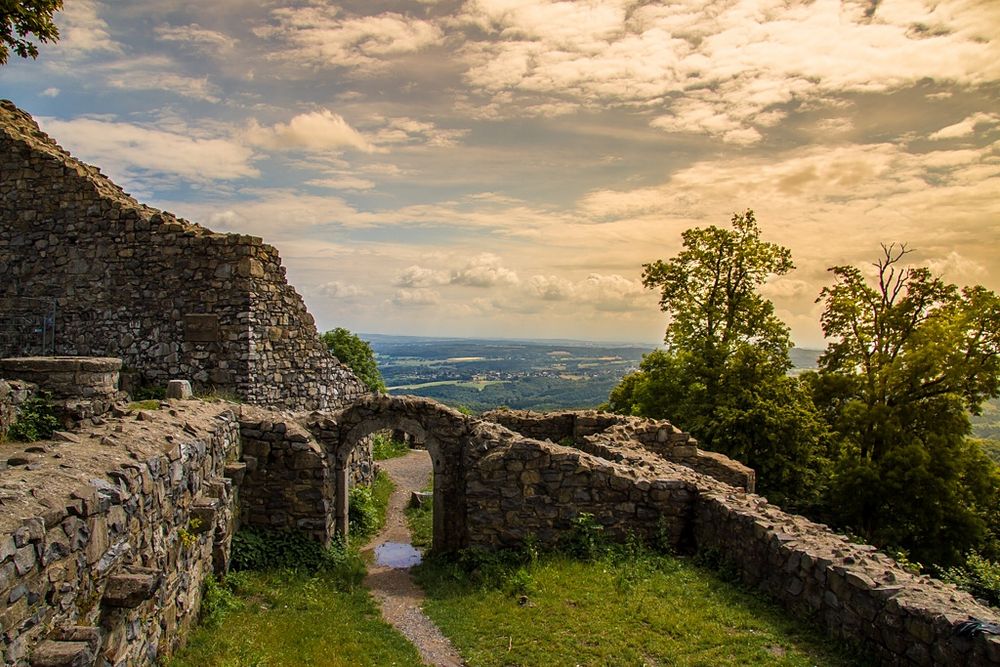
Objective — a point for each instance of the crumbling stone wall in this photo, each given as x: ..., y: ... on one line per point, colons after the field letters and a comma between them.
x: 858, y: 593
x: 288, y: 483
x: 171, y: 298
x: 107, y: 534
x: 76, y: 388
x: 595, y: 431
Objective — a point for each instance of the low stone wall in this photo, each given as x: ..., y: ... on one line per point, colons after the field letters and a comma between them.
x: 522, y: 488
x: 856, y: 592
x: 107, y: 534
x: 590, y: 430
x: 288, y: 482
x: 78, y: 388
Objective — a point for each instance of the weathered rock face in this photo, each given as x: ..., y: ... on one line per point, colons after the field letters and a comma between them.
x: 171, y: 298
x: 101, y: 557
x: 595, y: 432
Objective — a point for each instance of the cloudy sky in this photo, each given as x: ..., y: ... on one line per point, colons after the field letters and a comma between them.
x: 505, y: 167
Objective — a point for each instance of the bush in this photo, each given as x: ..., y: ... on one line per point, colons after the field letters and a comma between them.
x: 587, y: 540
x: 384, y: 447
x: 979, y: 576
x: 35, y: 421
x: 217, y: 600
x: 362, y: 514
x: 261, y: 549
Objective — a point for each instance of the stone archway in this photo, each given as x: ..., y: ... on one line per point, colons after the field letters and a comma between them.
x: 445, y: 433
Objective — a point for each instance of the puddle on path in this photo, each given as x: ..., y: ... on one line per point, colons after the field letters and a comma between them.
x: 397, y: 555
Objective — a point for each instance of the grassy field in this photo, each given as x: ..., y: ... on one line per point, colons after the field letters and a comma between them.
x: 286, y: 618
x: 478, y: 385
x: 290, y: 617
x: 641, y: 610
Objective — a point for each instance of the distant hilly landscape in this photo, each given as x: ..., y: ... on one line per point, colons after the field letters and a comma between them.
x: 550, y: 374
x: 481, y: 374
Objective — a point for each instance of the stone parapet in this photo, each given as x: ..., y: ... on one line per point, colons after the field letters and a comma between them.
x: 590, y: 430
x: 858, y: 593
x: 107, y: 535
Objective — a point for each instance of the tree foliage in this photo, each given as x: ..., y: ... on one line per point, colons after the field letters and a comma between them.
x: 357, y: 354
x: 909, y: 357
x: 23, y: 20
x: 722, y: 376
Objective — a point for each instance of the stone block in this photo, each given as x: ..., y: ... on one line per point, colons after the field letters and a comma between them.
x: 51, y: 653
x: 179, y: 389
x: 129, y: 590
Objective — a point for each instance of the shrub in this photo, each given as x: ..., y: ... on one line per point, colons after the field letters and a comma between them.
x: 362, y: 512
x: 979, y: 576
x: 586, y: 540
x: 384, y: 447
x: 262, y: 549
x: 217, y: 600
x: 35, y: 421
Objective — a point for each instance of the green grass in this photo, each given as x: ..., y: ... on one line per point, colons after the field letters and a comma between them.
x: 635, y: 610
x: 420, y: 520
x: 384, y: 447
x: 294, y: 617
x: 149, y: 404
x: 289, y: 618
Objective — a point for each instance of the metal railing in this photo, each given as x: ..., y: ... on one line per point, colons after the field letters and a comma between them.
x: 27, y: 327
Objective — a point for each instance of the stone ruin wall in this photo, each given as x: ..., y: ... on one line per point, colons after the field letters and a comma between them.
x: 856, y: 592
x: 171, y: 298
x: 592, y: 431
x: 108, y: 559
x: 108, y: 531
x: 107, y: 534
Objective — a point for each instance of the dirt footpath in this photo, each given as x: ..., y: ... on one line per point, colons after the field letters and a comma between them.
x: 395, y: 589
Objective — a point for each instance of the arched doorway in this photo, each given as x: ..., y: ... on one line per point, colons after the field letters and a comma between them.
x: 444, y: 433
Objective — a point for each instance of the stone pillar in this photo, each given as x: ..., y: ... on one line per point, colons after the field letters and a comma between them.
x: 340, y: 477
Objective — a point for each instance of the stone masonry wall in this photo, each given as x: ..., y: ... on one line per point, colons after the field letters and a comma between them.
x: 590, y: 430
x: 856, y: 592
x: 519, y: 488
x: 171, y: 298
x: 288, y: 483
x: 107, y: 534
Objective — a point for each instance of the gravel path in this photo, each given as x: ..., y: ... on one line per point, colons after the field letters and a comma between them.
x: 395, y: 589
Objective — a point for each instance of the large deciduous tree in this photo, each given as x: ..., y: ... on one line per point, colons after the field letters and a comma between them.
x: 909, y: 357
x: 723, y: 374
x: 24, y: 20
x: 357, y: 354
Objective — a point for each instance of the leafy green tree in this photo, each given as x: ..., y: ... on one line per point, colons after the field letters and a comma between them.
x: 723, y: 374
x: 21, y: 19
x: 357, y: 354
x: 909, y: 357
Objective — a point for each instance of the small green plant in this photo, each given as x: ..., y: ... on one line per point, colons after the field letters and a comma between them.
x: 188, y: 534
x: 35, y: 421
x: 217, y: 600
x: 151, y: 404
x: 568, y: 441
x: 586, y: 540
x: 362, y: 513
x: 979, y: 576
x: 384, y: 447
